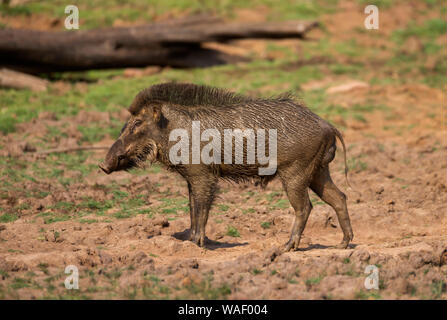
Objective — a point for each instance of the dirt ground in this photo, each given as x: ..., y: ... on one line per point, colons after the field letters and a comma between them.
x: 398, y: 210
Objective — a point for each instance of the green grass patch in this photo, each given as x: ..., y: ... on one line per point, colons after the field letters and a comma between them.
x: 233, y: 232
x: 266, y: 225
x: 281, y: 204
x: 362, y: 295
x: 92, y: 14
x: 314, y: 281
x: 19, y: 283
x: 223, y: 207
x: 381, y: 4
x: 256, y: 271
x: 430, y: 29
x: 206, y: 290
x: 8, y: 217
x: 437, y: 288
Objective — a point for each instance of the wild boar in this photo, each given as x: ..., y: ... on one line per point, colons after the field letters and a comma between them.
x: 300, y: 147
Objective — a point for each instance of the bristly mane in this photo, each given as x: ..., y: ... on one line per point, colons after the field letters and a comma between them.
x: 188, y: 94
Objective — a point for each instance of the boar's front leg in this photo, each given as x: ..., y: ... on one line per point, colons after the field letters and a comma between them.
x: 202, y: 190
x: 192, y: 215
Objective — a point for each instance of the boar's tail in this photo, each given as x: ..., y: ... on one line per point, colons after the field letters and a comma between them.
x: 340, y: 137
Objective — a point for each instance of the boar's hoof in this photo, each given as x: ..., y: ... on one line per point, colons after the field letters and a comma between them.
x: 342, y: 245
x: 292, y: 244
x: 346, y: 239
x: 198, y: 240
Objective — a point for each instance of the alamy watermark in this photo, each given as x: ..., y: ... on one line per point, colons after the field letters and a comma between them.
x: 372, y: 280
x: 72, y: 281
x: 211, y: 153
x: 72, y: 20
x: 372, y: 20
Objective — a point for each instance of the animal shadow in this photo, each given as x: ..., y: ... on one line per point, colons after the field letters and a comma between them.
x: 321, y: 246
x: 209, y: 244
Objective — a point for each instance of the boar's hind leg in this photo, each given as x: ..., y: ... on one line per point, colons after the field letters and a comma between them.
x: 298, y: 195
x: 325, y: 188
x: 202, y: 190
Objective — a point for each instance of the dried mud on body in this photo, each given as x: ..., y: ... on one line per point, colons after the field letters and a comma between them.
x: 126, y: 231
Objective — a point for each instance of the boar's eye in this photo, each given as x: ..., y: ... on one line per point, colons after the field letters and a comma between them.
x: 137, y: 123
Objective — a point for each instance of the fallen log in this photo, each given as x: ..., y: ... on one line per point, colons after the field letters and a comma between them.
x: 104, y: 57
x: 175, y: 44
x: 193, y: 32
x: 18, y: 80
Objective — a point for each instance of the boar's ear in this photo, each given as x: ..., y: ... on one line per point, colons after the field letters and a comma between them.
x: 156, y: 113
x: 158, y: 116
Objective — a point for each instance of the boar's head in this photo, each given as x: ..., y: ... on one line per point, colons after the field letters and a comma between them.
x: 137, y: 141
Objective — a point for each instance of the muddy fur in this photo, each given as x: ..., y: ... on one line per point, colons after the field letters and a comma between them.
x: 191, y: 95
x: 306, y: 145
x: 143, y: 153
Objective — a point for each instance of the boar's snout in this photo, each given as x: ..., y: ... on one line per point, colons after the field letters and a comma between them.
x: 114, y: 159
x: 104, y: 168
